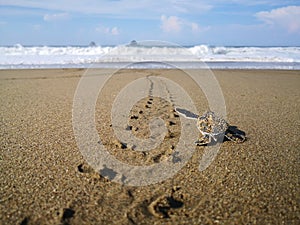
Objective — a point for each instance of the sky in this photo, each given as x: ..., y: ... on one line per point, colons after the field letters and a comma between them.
x: 185, y: 22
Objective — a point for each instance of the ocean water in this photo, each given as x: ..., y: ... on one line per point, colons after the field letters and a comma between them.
x: 200, y: 56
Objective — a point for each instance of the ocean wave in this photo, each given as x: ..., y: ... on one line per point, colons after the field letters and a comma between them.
x: 47, y: 56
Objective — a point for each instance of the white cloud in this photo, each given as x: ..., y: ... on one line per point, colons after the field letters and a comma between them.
x: 195, y: 27
x: 107, y: 30
x: 171, y: 23
x: 174, y: 24
x: 56, y: 17
x: 114, y: 31
x: 285, y: 17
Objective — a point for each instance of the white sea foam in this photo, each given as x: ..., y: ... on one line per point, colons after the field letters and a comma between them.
x: 19, y: 56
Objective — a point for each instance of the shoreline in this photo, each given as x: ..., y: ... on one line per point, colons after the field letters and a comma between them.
x: 226, y: 65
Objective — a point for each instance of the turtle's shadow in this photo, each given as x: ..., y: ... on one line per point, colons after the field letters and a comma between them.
x: 235, y: 132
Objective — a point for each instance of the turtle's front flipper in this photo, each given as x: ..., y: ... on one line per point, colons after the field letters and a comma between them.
x: 204, y: 140
x: 234, y: 134
x: 187, y: 114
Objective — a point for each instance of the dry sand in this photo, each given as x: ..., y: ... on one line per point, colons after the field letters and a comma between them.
x: 45, y: 179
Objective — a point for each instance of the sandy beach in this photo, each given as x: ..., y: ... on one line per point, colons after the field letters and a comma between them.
x: 46, y: 180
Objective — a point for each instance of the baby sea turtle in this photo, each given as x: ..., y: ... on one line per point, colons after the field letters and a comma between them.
x: 213, y: 128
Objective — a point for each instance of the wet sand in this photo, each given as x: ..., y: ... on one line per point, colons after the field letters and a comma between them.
x: 46, y: 180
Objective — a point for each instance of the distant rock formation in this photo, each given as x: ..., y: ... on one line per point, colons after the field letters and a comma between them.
x: 133, y: 43
x: 92, y: 44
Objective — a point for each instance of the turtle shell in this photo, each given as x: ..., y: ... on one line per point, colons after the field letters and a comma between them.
x: 210, y: 124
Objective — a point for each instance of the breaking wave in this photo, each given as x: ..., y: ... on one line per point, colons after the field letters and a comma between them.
x: 19, y: 56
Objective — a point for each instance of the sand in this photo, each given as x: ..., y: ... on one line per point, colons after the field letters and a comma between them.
x: 46, y: 180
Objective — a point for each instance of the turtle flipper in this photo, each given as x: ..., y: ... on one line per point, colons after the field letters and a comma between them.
x: 204, y: 140
x: 187, y: 114
x: 234, y: 134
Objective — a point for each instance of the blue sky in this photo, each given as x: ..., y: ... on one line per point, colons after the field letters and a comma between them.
x: 185, y: 22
